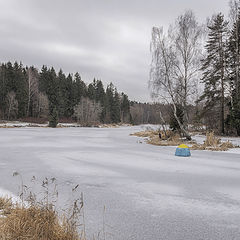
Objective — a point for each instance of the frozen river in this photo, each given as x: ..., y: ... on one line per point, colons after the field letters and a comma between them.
x: 149, y: 193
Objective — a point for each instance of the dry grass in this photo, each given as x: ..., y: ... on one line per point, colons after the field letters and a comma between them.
x: 113, y: 125
x: 5, y: 206
x: 213, y: 143
x: 34, y: 219
x: 212, y: 140
x: 144, y: 134
x: 169, y: 138
x: 36, y: 222
x: 34, y: 120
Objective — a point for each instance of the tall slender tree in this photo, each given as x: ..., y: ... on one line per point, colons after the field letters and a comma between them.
x: 214, y: 67
x: 233, y: 65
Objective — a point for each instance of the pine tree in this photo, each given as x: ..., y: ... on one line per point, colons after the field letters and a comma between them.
x: 69, y: 97
x: 99, y: 92
x: 101, y: 98
x: 116, y: 108
x: 62, y: 93
x: 108, y: 103
x: 91, y: 91
x: 53, y: 118
x: 125, y: 108
x: 214, y: 76
x: 234, y: 75
x: 49, y: 84
x: 79, y: 89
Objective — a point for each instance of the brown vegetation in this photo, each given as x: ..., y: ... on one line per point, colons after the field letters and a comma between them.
x: 213, y: 143
x: 171, y: 138
x: 36, y: 222
x: 31, y: 218
x: 168, y: 138
x: 34, y: 120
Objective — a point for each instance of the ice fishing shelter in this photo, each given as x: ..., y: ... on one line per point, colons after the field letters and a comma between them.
x: 183, y: 151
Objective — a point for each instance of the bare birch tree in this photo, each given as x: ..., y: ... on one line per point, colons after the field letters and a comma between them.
x: 12, y: 105
x: 186, y: 36
x: 88, y: 111
x: 137, y: 113
x: 33, y: 91
x: 175, y: 64
x: 163, y: 83
x: 42, y: 105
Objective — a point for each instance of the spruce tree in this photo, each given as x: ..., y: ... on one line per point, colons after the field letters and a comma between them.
x: 233, y: 64
x: 62, y: 94
x: 49, y: 85
x: 116, y: 108
x: 125, y: 108
x: 108, y: 103
x: 214, y: 76
x: 91, y: 91
x: 99, y: 92
x: 69, y: 97
x: 79, y: 88
x: 53, y: 118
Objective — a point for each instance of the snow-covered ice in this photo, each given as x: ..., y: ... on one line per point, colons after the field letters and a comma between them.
x: 7, y: 194
x: 148, y: 192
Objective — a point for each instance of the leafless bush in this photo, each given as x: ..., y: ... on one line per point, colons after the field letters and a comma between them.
x: 88, y: 112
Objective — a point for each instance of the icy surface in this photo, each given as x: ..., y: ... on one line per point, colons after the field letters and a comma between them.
x: 148, y: 192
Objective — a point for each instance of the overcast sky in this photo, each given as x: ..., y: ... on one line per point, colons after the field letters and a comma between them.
x: 105, y: 39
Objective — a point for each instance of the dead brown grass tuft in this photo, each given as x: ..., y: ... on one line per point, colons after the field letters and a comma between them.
x: 213, y: 143
x: 36, y: 219
x: 5, y: 205
x: 35, y: 222
x: 156, y: 141
x: 171, y: 138
x: 212, y: 140
x: 168, y: 138
x: 112, y: 125
x: 145, y: 134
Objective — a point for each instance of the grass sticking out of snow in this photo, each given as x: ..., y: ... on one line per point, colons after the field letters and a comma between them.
x: 36, y: 222
x: 168, y: 138
x: 213, y: 143
x: 34, y: 219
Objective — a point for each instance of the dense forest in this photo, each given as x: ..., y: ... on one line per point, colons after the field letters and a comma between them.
x: 32, y: 95
x: 28, y: 93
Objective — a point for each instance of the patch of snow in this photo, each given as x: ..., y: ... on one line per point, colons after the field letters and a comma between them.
x: 7, y: 194
x: 20, y: 124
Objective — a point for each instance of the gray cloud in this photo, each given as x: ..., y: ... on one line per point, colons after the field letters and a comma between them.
x: 106, y: 39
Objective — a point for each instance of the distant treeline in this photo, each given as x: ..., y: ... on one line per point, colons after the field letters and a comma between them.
x: 27, y: 93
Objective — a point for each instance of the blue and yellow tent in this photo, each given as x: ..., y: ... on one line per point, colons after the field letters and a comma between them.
x: 183, y: 151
